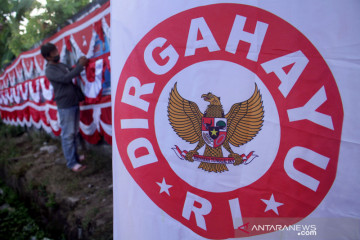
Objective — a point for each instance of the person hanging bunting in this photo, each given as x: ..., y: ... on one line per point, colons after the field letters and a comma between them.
x: 67, y: 98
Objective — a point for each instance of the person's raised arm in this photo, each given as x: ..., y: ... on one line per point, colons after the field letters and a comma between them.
x: 55, y: 75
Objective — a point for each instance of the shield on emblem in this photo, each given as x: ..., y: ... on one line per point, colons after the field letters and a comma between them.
x: 214, y: 131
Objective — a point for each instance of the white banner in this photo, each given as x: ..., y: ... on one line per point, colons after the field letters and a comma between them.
x: 235, y: 119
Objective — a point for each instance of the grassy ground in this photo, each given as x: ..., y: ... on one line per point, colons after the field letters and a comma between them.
x: 79, y: 205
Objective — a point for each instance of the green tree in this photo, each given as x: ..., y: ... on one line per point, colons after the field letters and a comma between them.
x: 20, y: 28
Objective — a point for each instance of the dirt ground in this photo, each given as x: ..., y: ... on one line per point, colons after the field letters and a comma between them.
x: 69, y: 205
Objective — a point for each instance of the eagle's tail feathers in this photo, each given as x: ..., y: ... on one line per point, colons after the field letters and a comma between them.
x: 213, y: 167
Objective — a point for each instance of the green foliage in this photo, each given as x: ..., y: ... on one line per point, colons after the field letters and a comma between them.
x: 15, y: 221
x: 24, y: 23
x: 8, y: 148
x: 10, y: 131
x: 51, y: 201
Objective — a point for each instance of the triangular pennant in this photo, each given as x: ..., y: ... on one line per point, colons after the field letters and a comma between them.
x: 39, y: 64
x: 99, y: 31
x: 28, y: 63
x: 28, y: 66
x: 83, y: 39
x: 60, y: 45
x: 19, y: 72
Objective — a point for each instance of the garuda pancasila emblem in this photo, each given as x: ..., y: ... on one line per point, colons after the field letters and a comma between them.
x: 215, y: 129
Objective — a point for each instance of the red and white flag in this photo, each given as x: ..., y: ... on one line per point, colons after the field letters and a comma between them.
x: 235, y: 119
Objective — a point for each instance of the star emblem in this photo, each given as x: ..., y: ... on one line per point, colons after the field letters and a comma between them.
x: 164, y: 187
x: 271, y: 204
x: 213, y: 132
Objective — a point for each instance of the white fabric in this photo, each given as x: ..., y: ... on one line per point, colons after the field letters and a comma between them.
x: 16, y: 94
x: 63, y: 49
x: 24, y: 93
x: 106, y: 29
x: 6, y: 82
x: 95, y: 124
x: 54, y: 125
x: 48, y: 93
x: 5, y: 100
x: 106, y: 127
x: 28, y: 74
x: 92, y: 89
x: 12, y: 78
x: 19, y: 75
x: 9, y: 96
x: 40, y: 71
x: 90, y: 129
x: 332, y: 27
x: 35, y: 93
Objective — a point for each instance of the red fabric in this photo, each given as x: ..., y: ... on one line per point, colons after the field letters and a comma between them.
x: 40, y: 61
x: 43, y: 118
x: 33, y: 84
x: 17, y: 69
x: 34, y: 114
x: 28, y: 62
x: 90, y: 70
x: 92, y: 139
x: 53, y: 116
x: 86, y: 117
x: 106, y: 118
x: 107, y: 19
x: 83, y: 39
x: 26, y: 112
x: 47, y: 83
x: 68, y: 43
x: 98, y: 29
x: 20, y: 115
x: 59, y: 44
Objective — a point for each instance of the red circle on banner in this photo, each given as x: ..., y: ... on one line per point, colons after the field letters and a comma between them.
x: 290, y: 69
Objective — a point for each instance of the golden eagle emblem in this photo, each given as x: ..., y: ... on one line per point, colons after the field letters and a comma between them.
x: 215, y: 129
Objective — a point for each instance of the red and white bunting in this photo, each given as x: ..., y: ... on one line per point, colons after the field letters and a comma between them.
x: 26, y: 96
x: 83, y: 42
x: 28, y: 67
x: 39, y: 64
x: 34, y: 90
x: 95, y: 119
x: 24, y: 90
x: 46, y: 89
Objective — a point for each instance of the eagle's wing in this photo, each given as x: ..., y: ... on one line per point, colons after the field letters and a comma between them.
x: 185, y: 117
x: 245, y: 120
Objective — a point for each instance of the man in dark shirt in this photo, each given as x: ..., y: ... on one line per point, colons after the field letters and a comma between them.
x: 67, y: 98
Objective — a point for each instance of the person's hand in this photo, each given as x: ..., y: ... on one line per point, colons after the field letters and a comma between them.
x: 83, y: 61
